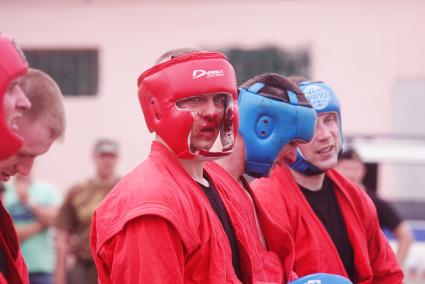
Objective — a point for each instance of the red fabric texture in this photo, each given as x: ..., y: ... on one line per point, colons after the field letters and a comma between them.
x: 374, y: 260
x: 9, y: 243
x: 157, y: 226
x: 277, y: 237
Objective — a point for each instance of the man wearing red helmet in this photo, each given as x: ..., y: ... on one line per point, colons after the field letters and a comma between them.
x: 175, y: 218
x: 12, y: 103
x: 12, y: 99
x: 25, y: 134
x: 39, y: 126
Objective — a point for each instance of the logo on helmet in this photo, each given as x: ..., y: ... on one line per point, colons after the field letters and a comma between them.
x: 208, y: 74
x: 318, y: 97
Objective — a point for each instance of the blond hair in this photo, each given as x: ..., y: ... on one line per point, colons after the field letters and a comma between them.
x: 46, y: 101
x: 175, y: 53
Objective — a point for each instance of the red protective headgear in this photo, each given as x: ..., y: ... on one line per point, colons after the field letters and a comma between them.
x: 12, y: 66
x: 194, y: 74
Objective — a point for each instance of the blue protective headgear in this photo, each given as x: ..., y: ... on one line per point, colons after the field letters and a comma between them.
x: 268, y: 124
x: 323, y: 99
x: 322, y: 278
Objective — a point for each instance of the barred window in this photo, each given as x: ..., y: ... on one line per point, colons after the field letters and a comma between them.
x: 75, y: 70
x: 251, y: 62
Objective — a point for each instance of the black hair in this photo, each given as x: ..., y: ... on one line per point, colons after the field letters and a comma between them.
x: 276, y: 87
x: 349, y: 154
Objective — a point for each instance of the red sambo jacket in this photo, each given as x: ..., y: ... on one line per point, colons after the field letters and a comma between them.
x: 374, y: 260
x: 9, y: 244
x: 157, y: 226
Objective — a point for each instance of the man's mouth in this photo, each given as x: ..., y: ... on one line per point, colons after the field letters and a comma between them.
x: 208, y: 132
x: 13, y: 123
x: 325, y: 150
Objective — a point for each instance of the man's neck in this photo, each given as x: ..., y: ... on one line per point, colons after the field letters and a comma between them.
x: 195, y: 168
x: 234, y: 167
x: 313, y: 183
x: 104, y: 179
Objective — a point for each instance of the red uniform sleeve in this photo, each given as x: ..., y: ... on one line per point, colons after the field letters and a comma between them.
x: 147, y: 250
x: 384, y: 263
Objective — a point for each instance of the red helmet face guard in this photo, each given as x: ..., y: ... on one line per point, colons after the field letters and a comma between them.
x: 212, y: 132
x: 192, y: 75
x: 12, y: 66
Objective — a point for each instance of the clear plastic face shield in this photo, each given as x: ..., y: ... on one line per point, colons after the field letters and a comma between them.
x: 212, y: 132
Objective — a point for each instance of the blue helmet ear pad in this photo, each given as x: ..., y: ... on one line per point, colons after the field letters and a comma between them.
x: 268, y: 124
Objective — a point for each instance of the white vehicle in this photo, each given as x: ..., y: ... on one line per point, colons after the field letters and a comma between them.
x: 396, y: 167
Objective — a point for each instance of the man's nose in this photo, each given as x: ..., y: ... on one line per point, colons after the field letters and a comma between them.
x: 322, y: 132
x: 209, y: 108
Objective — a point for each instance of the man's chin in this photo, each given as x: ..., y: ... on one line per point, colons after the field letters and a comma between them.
x: 201, y: 146
x: 325, y: 166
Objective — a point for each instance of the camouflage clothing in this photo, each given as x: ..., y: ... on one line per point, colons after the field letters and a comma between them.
x: 76, y: 212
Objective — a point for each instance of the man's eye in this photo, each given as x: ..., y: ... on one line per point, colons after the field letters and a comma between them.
x: 220, y: 99
x: 196, y: 99
x: 329, y: 118
x: 190, y: 102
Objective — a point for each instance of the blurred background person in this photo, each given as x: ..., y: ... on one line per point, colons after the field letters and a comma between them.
x: 33, y: 206
x: 351, y: 165
x: 74, y: 218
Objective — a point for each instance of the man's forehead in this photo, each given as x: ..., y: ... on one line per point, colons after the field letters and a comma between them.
x: 326, y: 114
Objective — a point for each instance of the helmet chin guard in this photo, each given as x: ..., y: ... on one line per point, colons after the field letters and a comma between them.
x: 323, y: 99
x: 164, y: 87
x: 12, y: 66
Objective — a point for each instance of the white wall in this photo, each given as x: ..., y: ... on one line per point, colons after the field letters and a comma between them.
x: 359, y: 47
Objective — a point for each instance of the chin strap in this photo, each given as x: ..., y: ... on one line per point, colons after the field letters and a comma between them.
x: 304, y: 167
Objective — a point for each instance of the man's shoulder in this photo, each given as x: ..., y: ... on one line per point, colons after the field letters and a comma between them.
x: 145, y: 192
x: 146, y: 177
x: 353, y: 192
x: 217, y: 172
x: 279, y: 180
x: 145, y: 188
x: 344, y: 184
